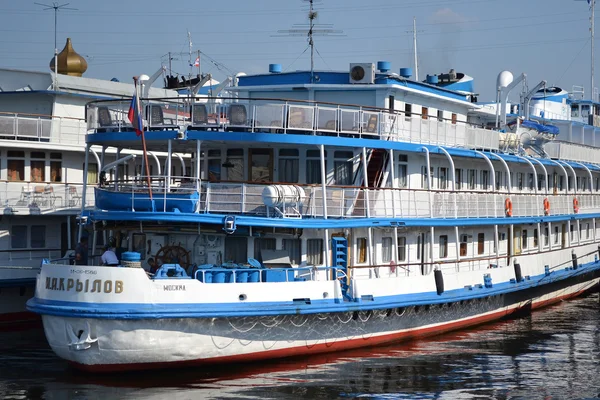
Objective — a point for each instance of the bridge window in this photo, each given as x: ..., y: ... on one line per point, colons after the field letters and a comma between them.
x: 314, y: 251
x: 575, y: 111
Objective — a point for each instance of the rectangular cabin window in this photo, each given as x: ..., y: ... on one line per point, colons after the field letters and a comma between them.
x: 520, y: 180
x: 16, y: 165
x: 391, y: 103
x: 55, y: 171
x: 314, y: 251
x: 361, y: 250
x: 578, y: 182
x: 38, y: 236
x: 440, y: 115
x: 546, y: 238
x: 443, y: 246
x: 587, y: 230
x: 570, y: 183
x: 463, y: 245
x: 386, y: 250
x: 214, y: 166
x: 536, y: 238
x: 480, y: 243
x: 556, y: 235
x: 407, y: 110
x: 18, y: 238
x: 571, y: 231
x: 424, y: 112
x: 485, y: 179
x: 561, y: 182
x: 575, y: 111
x: 293, y: 247
x: 342, y: 165
x: 289, y: 166
x: 37, y: 166
x: 540, y: 181
x: 92, y: 175
x: 401, y: 248
x: 472, y: 179
x: 597, y: 184
x: 530, y: 182
x: 458, y: 178
x: 313, y: 166
x: 443, y: 177
x: 419, y: 247
x: 454, y: 119
x: 402, y: 174
x: 524, y: 238
x: 498, y: 179
x: 233, y: 165
x: 585, y: 110
x: 425, y: 178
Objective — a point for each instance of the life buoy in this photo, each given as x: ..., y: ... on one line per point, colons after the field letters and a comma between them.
x: 575, y: 205
x: 546, y: 206
x: 392, y: 266
x: 508, y: 207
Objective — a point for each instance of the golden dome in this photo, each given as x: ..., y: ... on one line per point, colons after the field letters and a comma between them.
x: 69, y: 62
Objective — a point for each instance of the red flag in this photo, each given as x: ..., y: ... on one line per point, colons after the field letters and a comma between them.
x: 134, y: 115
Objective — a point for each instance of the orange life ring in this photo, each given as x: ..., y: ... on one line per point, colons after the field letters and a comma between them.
x: 575, y: 205
x: 392, y: 266
x: 508, y: 207
x: 546, y: 206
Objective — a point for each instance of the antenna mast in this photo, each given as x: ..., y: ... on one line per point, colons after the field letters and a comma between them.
x: 592, y: 6
x: 190, y: 56
x: 311, y: 30
x: 55, y: 7
x: 415, y: 47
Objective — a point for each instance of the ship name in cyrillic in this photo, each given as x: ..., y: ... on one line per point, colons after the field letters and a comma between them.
x: 173, y: 288
x: 85, y: 286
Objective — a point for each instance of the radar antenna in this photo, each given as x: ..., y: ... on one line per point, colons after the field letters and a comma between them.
x: 310, y: 30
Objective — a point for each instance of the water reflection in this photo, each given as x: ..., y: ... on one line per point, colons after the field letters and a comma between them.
x: 552, y: 354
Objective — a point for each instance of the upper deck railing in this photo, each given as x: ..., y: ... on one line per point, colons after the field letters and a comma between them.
x: 42, y: 128
x: 292, y: 117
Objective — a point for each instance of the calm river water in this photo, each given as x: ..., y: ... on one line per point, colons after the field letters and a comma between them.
x: 552, y: 354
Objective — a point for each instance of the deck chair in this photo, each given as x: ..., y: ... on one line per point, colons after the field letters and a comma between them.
x: 199, y: 117
x: 238, y: 115
x: 74, y: 197
x: 156, y: 119
x: 105, y: 121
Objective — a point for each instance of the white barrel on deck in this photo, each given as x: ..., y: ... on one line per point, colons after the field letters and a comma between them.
x: 282, y: 195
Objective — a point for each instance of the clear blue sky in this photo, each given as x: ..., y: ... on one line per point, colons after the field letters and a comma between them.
x: 547, y: 39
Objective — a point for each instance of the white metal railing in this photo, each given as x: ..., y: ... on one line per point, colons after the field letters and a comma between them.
x: 44, y: 196
x: 285, y: 117
x: 42, y: 128
x: 350, y: 202
x: 573, y: 152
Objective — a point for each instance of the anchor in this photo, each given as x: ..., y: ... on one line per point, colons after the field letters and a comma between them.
x: 81, y: 340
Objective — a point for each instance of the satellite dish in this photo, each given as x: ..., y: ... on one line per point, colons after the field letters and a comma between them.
x: 357, y: 73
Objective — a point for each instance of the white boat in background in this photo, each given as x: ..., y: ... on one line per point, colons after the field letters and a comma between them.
x: 42, y: 153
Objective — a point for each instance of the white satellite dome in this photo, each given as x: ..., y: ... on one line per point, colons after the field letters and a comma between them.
x: 505, y: 78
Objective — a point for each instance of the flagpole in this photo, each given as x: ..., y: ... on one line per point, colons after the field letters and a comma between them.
x: 148, y: 179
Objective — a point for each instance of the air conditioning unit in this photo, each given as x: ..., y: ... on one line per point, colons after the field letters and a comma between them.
x: 362, y: 73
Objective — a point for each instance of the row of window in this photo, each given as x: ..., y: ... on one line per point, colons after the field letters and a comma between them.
x: 37, y: 162
x: 408, y: 111
x: 23, y: 237
x: 480, y: 180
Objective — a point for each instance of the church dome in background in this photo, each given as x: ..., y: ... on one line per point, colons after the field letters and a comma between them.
x: 69, y: 62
